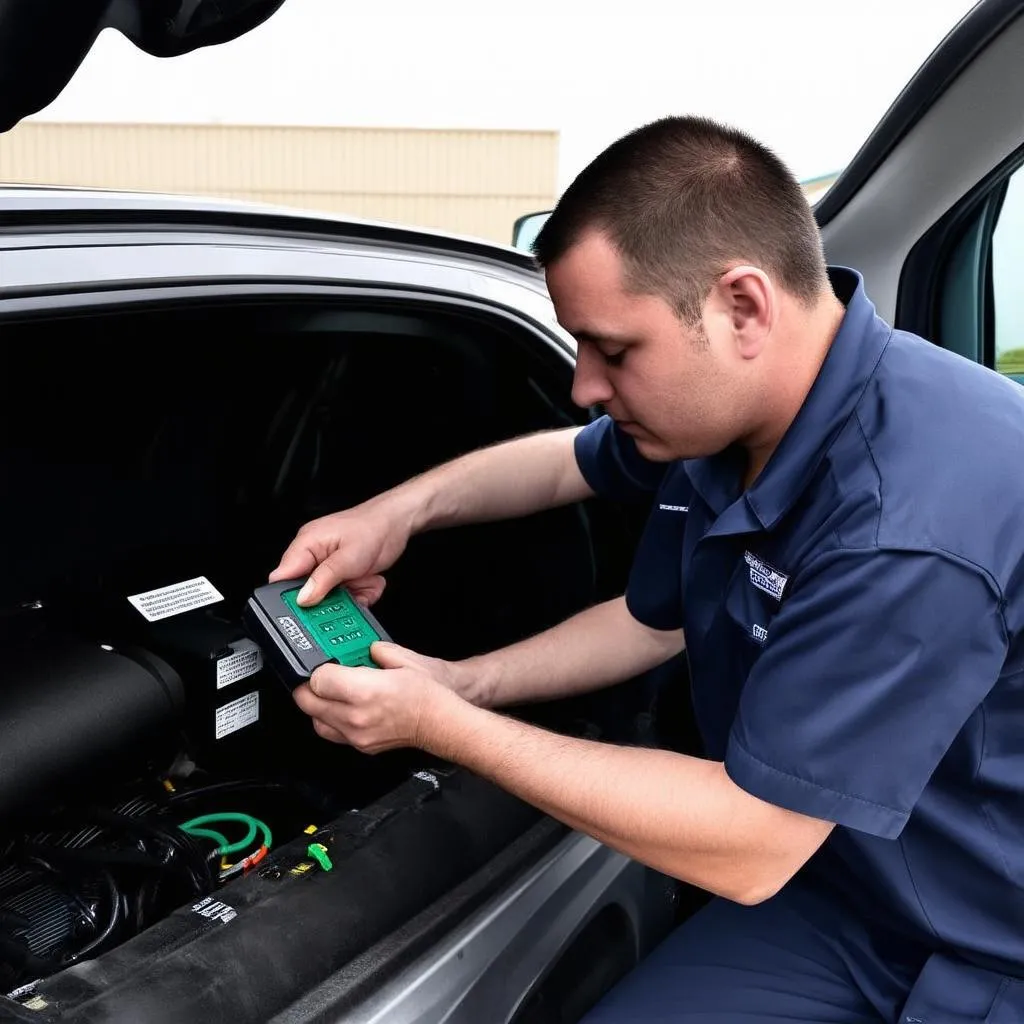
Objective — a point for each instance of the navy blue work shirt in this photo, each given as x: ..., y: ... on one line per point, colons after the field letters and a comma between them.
x: 854, y: 623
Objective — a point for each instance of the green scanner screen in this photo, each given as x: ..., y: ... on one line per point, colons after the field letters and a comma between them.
x: 338, y: 625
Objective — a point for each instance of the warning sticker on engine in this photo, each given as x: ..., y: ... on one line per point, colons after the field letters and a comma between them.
x: 215, y: 910
x: 164, y: 602
x: 245, y: 660
x: 238, y: 714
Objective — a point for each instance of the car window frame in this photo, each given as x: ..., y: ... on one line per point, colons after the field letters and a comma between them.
x: 933, y: 274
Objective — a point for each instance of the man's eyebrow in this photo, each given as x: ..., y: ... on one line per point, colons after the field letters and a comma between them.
x: 596, y: 338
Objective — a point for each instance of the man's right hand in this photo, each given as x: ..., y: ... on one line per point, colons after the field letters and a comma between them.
x: 352, y: 547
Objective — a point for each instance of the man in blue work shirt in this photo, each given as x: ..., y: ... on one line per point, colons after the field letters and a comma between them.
x: 835, y: 532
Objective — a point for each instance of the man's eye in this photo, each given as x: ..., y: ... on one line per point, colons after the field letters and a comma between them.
x: 615, y: 358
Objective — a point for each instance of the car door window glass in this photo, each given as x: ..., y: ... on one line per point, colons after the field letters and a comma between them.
x: 1007, y: 268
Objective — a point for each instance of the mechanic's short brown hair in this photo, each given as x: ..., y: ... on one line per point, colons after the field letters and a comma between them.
x: 683, y: 198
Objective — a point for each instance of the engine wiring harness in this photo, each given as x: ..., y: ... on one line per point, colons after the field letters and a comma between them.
x: 199, y: 828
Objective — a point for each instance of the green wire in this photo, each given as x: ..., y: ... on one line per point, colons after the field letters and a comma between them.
x: 219, y: 838
x: 225, y: 845
x: 245, y: 819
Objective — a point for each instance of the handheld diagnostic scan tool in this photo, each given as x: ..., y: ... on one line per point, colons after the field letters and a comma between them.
x: 296, y: 640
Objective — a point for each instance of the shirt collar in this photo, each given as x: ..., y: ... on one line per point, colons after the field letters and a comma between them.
x: 845, y: 372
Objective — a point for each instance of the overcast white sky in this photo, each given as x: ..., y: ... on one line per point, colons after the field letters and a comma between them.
x: 809, y: 77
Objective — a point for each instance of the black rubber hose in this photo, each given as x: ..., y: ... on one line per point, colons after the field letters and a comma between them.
x: 219, y: 788
x: 113, y: 919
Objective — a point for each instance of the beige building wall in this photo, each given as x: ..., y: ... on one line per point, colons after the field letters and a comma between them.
x: 467, y: 182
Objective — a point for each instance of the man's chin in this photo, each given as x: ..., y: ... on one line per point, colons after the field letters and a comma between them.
x: 652, y: 449
x: 647, y: 444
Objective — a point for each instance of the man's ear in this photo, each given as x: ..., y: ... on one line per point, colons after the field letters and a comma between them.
x: 749, y: 299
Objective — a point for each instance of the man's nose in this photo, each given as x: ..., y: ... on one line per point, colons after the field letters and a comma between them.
x: 590, y: 385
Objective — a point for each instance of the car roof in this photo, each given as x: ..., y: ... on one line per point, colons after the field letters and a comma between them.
x: 24, y: 208
x: 61, y: 244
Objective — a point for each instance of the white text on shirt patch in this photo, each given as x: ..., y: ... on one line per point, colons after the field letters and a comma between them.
x: 674, y: 508
x: 764, y: 577
x: 760, y: 634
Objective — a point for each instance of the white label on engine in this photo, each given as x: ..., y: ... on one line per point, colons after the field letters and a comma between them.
x: 175, y: 599
x: 238, y: 714
x: 245, y: 660
x: 215, y: 910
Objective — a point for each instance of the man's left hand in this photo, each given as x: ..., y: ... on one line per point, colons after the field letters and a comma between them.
x: 377, y: 709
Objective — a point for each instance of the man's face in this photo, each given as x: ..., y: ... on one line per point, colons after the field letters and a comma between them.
x: 674, y: 389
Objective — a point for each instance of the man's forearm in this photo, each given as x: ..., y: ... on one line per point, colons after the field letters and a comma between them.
x: 681, y: 815
x: 596, y: 648
x: 515, y: 478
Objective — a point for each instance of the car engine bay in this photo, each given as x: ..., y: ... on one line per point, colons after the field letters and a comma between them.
x: 157, y: 780
x: 160, y: 744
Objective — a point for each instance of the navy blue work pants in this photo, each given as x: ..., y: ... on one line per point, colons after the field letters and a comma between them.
x: 802, y: 958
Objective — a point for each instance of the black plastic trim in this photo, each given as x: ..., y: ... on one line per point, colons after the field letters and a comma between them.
x: 382, y: 963
x: 129, y: 288
x: 54, y: 302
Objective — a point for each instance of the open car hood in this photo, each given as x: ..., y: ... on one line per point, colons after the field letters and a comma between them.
x: 43, y: 42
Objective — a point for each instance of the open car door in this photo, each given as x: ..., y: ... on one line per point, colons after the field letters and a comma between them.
x: 43, y: 42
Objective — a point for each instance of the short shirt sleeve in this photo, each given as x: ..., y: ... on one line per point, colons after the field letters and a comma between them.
x: 612, y: 466
x: 870, y: 669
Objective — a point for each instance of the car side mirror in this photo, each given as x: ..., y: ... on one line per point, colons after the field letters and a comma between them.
x: 527, y: 228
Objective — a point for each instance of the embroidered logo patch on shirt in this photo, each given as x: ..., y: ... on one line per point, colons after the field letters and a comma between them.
x: 674, y: 508
x: 759, y: 633
x: 764, y: 577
